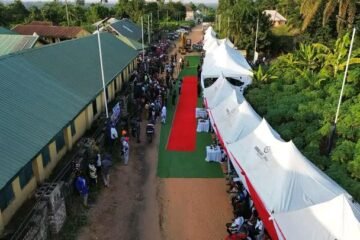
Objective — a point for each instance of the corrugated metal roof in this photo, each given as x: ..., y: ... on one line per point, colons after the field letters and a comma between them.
x: 128, y: 29
x: 6, y: 31
x: 14, y: 43
x: 132, y: 43
x: 48, y: 31
x: 43, y: 89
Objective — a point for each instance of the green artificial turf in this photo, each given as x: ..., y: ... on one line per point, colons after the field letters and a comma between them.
x: 172, y: 164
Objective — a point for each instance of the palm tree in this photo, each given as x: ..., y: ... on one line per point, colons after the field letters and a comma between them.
x: 346, y: 10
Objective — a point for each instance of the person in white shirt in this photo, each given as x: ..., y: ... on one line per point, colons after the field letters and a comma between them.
x: 126, y: 150
x: 259, y: 229
x: 163, y: 114
x: 235, y: 226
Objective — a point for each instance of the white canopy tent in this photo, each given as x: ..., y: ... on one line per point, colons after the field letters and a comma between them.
x: 217, y: 92
x: 234, y: 123
x: 224, y: 60
x: 210, y: 31
x: 335, y: 219
x: 210, y: 45
x: 293, y: 197
x: 227, y: 41
x: 281, y: 178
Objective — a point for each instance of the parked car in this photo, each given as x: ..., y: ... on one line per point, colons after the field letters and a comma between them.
x: 181, y: 30
x: 172, y: 36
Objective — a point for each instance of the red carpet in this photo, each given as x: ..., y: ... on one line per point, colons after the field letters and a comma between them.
x: 183, y: 132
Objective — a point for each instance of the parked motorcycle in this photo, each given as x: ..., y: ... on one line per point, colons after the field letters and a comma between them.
x: 150, y: 131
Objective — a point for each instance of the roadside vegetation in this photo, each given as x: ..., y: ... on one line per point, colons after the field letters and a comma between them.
x: 297, y: 88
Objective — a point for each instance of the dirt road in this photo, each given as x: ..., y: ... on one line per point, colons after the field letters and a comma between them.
x: 138, y: 205
x: 129, y: 208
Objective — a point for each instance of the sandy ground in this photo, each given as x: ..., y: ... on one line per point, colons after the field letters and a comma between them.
x: 138, y: 205
x: 195, y: 209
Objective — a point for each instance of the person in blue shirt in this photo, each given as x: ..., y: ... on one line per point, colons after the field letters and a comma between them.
x: 83, y: 188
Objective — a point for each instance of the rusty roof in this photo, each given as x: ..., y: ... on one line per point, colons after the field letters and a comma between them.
x: 41, y: 23
x: 48, y: 31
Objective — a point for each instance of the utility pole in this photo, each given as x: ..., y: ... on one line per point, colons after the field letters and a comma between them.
x: 256, y: 37
x: 149, y: 29
x: 151, y: 22
x: 142, y: 37
x: 67, y: 13
x: 333, y: 127
x: 102, y: 72
x: 228, y: 28
x: 220, y: 23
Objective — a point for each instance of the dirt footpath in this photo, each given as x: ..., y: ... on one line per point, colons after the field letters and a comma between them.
x: 129, y: 209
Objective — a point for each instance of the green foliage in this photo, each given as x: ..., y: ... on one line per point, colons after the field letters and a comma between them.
x: 80, y: 15
x: 300, y: 98
x: 238, y: 19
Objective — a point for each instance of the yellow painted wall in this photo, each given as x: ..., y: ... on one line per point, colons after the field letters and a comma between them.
x: 39, y: 169
x: 82, y: 122
x: 112, y: 91
x: 89, y: 115
x: 82, y: 33
x: 2, y: 225
x: 20, y: 195
x: 55, y: 157
x: 80, y: 125
x: 99, y: 103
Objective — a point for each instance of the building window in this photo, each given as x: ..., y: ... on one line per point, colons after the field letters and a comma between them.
x: 94, y: 107
x: 73, y: 128
x: 45, y: 154
x: 107, y: 94
x: 115, y: 84
x: 6, y: 196
x: 122, y: 76
x: 25, y: 174
x: 59, y: 140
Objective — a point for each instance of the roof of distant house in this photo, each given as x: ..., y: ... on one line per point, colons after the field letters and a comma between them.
x: 6, y: 31
x: 131, y: 42
x: 46, y: 23
x: 188, y: 8
x: 49, y: 31
x: 106, y: 20
x: 274, y: 15
x: 127, y: 28
x: 10, y: 43
x: 43, y: 89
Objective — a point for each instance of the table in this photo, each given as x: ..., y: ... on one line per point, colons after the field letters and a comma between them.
x: 213, y: 155
x: 200, y: 113
x: 203, y: 125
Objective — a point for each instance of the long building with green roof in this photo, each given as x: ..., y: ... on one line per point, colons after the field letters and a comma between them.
x: 49, y: 97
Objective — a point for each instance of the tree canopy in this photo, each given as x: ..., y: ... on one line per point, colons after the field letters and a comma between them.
x: 298, y: 94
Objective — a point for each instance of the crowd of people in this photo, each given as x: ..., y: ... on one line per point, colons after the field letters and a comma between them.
x: 246, y: 224
x: 152, y: 84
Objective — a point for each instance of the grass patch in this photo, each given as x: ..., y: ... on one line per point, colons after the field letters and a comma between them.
x: 186, y: 164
